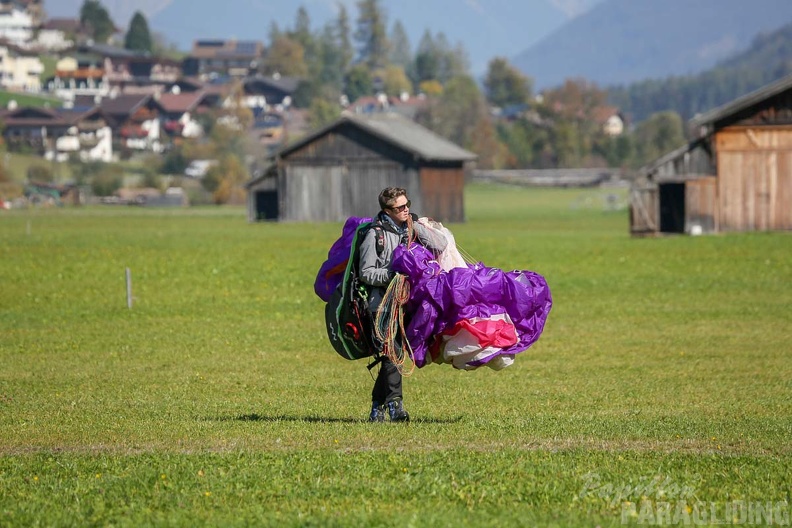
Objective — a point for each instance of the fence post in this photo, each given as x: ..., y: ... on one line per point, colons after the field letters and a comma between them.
x: 129, y: 288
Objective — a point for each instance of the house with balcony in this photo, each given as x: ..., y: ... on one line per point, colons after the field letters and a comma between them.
x: 219, y: 57
x: 135, y: 121
x: 58, y: 134
x: 77, y: 75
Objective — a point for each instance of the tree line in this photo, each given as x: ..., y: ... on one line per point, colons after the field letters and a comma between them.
x: 498, y: 117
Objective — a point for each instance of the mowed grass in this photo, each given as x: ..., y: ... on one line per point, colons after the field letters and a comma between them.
x: 217, y: 400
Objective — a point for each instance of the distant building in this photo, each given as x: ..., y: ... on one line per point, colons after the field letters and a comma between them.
x: 58, y: 34
x: 16, y: 24
x: 19, y: 68
x: 338, y: 171
x: 735, y: 175
x: 234, y: 58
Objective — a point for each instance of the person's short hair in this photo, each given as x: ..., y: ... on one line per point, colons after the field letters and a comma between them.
x: 388, y: 196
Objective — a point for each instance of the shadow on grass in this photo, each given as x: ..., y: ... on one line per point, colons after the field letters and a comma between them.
x: 321, y: 419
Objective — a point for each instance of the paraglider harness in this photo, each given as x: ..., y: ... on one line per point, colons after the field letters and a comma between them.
x: 347, y: 317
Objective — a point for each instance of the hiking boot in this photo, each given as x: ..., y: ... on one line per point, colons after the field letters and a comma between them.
x: 377, y: 412
x: 397, y: 412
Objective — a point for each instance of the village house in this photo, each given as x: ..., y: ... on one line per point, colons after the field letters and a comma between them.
x: 58, y: 34
x: 735, y: 174
x: 405, y: 105
x: 234, y: 58
x: 19, y: 68
x: 79, y: 74
x: 135, y: 121
x: 58, y: 134
x: 179, y: 112
x: 17, y: 24
x: 267, y: 93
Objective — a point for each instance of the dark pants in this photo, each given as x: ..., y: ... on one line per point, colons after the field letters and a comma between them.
x: 388, y: 386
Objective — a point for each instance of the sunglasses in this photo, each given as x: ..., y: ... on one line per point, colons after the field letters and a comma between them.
x: 401, y: 208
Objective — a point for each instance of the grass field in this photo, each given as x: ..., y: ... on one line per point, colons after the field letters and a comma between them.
x: 663, y: 380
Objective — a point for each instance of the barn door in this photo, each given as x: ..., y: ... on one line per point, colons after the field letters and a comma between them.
x: 643, y: 210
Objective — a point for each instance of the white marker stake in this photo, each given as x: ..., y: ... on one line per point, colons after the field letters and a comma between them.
x: 129, y: 288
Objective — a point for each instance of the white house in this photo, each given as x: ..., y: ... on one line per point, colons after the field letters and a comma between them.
x: 19, y: 69
x: 54, y: 35
x: 16, y: 25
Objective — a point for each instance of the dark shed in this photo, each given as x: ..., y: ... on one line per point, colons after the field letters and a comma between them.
x: 338, y: 172
x: 735, y: 175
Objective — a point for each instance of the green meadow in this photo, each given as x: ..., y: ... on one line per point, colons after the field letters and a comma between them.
x: 660, y: 391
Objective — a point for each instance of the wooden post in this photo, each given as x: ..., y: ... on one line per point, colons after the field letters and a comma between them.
x: 129, y: 288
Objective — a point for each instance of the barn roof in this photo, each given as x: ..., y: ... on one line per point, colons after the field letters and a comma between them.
x: 393, y: 128
x: 711, y: 118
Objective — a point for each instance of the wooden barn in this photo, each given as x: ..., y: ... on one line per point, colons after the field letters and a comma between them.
x: 338, y: 172
x: 735, y: 175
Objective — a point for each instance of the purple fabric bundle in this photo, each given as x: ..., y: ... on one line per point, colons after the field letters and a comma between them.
x: 332, y: 270
x: 440, y: 299
x: 463, y: 304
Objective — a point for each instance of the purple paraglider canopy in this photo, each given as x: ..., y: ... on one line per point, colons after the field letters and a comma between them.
x: 466, y: 315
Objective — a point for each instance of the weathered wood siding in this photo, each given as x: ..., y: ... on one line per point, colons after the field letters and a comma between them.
x: 443, y: 193
x: 644, y: 210
x: 755, y: 178
x: 342, y: 173
x: 701, y: 203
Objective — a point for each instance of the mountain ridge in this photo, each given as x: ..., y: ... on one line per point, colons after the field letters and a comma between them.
x: 623, y: 41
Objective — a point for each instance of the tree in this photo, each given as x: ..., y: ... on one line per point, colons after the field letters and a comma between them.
x: 358, y: 82
x: 436, y: 60
x: 343, y: 32
x: 96, y: 18
x: 322, y: 112
x: 427, y: 61
x: 661, y: 133
x: 400, y: 52
x: 461, y: 115
x: 225, y: 179
x: 287, y: 57
x: 396, y: 81
x: 332, y: 60
x: 371, y: 34
x: 504, y: 85
x: 138, y: 37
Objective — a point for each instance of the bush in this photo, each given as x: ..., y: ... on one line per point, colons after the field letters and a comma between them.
x: 39, y: 173
x: 108, y: 180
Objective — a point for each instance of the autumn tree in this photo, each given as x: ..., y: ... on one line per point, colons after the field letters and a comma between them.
x: 395, y: 81
x: 285, y: 56
x: 96, y: 18
x: 461, y: 115
x: 138, y: 37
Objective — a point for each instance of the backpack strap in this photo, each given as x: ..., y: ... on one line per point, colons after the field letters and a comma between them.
x: 379, y: 236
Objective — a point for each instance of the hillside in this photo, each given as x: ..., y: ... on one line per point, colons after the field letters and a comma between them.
x: 623, y: 41
x: 768, y: 58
